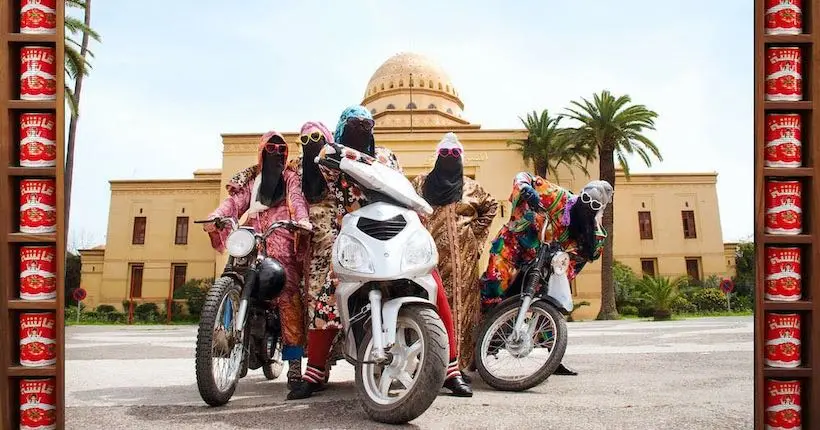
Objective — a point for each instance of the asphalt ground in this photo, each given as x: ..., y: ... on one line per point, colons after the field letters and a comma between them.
x: 690, y: 374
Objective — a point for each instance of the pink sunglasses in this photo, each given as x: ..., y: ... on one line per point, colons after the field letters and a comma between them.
x: 453, y: 152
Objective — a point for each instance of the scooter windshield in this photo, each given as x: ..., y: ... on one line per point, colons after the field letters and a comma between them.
x: 387, y: 181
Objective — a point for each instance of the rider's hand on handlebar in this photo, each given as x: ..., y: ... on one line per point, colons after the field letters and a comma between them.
x: 305, y: 224
x: 212, y: 226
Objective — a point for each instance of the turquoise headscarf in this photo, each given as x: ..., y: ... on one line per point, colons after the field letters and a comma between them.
x: 352, y: 112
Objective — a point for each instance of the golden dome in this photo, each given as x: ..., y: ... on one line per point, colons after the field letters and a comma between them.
x: 394, y: 74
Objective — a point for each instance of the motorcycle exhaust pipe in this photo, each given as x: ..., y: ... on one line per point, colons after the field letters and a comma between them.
x: 375, y: 297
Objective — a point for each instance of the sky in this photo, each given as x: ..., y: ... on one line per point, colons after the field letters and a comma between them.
x: 170, y: 76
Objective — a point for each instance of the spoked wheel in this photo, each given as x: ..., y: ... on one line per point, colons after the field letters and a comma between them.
x: 511, y: 362
x: 402, y: 389
x: 273, y: 351
x: 219, y: 344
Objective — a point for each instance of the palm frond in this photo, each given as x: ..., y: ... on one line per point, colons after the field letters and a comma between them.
x: 72, y: 101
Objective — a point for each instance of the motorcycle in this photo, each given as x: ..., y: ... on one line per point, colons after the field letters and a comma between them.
x: 529, y: 325
x: 385, y: 261
x: 239, y: 327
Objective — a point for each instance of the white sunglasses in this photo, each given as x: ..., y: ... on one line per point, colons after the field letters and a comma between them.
x: 594, y: 204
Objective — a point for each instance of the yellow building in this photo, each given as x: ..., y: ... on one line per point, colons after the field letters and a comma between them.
x: 666, y: 224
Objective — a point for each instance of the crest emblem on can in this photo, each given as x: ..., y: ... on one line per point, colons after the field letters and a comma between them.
x: 38, y: 146
x: 38, y: 404
x: 38, y: 340
x: 38, y: 206
x: 38, y: 277
x: 38, y: 16
x: 782, y: 274
x: 784, y: 17
x: 784, y: 74
x: 783, y: 405
x: 784, y: 213
x: 38, y: 73
x: 783, y: 340
x: 783, y: 144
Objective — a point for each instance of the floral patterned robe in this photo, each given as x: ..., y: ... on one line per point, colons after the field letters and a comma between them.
x: 460, y: 230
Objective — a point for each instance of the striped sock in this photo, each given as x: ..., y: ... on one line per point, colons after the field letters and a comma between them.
x: 453, y: 370
x: 314, y: 375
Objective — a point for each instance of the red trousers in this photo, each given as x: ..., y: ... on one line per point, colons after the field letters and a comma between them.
x: 320, y: 341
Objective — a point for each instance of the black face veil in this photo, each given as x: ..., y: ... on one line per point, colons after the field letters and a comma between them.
x: 272, y: 158
x: 314, y: 185
x: 445, y: 183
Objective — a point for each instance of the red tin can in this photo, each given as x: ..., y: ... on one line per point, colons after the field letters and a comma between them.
x: 784, y: 17
x: 38, y: 73
x: 783, y: 274
x: 38, y: 404
x: 38, y: 339
x: 782, y: 340
x: 38, y: 273
x: 38, y: 140
x: 38, y: 16
x: 784, y: 74
x: 783, y: 405
x: 784, y: 213
x: 783, y: 144
x: 38, y: 206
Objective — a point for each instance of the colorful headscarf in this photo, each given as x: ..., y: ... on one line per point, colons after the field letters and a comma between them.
x: 353, y: 112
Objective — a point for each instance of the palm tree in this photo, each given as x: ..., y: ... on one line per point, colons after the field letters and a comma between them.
x: 77, y: 67
x: 547, y: 147
x: 615, y: 126
x: 659, y: 293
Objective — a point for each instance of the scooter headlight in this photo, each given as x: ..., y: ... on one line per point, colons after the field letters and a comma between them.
x: 352, y: 255
x: 418, y: 251
x: 560, y: 263
x: 240, y: 243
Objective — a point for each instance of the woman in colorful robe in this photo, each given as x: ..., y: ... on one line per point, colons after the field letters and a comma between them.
x: 354, y: 133
x: 268, y: 192
x: 574, y: 221
x: 460, y: 223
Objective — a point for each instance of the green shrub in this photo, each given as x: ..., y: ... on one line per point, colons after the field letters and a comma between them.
x: 742, y: 303
x: 629, y: 310
x: 125, y: 305
x: 147, y: 312
x: 659, y: 292
x: 682, y: 305
x: 708, y: 300
x: 625, y: 282
x: 105, y: 309
x: 194, y: 292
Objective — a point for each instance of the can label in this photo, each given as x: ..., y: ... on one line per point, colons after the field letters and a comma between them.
x: 782, y: 274
x: 38, y: 273
x: 38, y: 144
x: 784, y: 213
x: 784, y: 74
x: 783, y: 144
x: 38, y: 404
x: 784, y: 17
x: 38, y: 340
x: 38, y: 16
x: 782, y: 340
x: 783, y: 405
x: 38, y: 206
x: 38, y: 73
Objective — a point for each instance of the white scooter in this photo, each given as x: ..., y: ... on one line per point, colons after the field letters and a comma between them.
x: 385, y: 261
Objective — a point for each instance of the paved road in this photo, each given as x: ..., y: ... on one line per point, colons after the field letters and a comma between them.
x: 692, y: 374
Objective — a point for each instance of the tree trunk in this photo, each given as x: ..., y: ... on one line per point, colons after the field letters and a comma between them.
x: 72, y: 126
x: 608, y: 309
x: 540, y: 168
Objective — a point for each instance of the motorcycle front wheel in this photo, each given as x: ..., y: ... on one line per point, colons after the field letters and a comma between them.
x: 219, y: 343
x: 402, y: 389
x: 508, y: 363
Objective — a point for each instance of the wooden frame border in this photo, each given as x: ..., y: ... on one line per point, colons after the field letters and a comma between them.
x: 10, y: 240
x: 809, y: 306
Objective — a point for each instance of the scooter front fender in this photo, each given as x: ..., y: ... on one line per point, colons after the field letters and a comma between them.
x: 390, y: 316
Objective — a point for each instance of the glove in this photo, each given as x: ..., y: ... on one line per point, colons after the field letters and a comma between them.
x: 531, y: 196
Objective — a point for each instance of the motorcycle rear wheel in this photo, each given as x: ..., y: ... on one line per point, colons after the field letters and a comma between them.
x: 508, y: 309
x: 223, y: 289
x: 430, y: 364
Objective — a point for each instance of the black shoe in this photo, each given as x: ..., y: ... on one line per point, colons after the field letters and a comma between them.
x: 293, y: 383
x: 458, y: 386
x: 303, y: 390
x: 466, y: 377
x: 564, y: 371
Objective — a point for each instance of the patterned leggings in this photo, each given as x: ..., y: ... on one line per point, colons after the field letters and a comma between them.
x: 509, y: 251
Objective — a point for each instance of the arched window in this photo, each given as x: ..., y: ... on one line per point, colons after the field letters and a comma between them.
x: 431, y: 106
x: 448, y: 88
x: 391, y: 84
x: 411, y: 105
x: 382, y: 86
x: 450, y: 111
x: 430, y: 84
x: 373, y: 111
x: 401, y: 82
x: 390, y: 106
x: 439, y: 86
x: 411, y: 83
